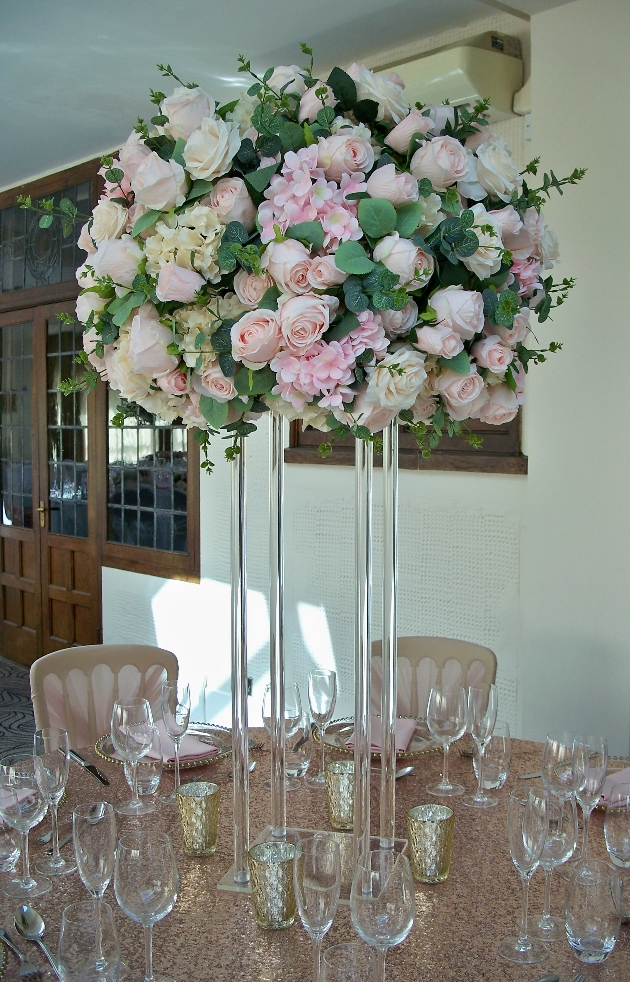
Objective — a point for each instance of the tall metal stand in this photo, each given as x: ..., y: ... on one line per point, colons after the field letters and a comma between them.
x: 388, y: 691
x: 240, y: 762
x: 362, y: 647
x: 276, y: 633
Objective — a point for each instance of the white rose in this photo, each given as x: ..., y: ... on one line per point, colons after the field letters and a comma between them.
x: 396, y: 381
x: 468, y: 185
x: 211, y: 148
x: 88, y: 303
x: 496, y: 171
x: 117, y: 258
x: 242, y: 114
x: 387, y: 92
x: 185, y: 109
x: 288, y: 78
x: 120, y: 372
x: 487, y: 259
x: 430, y: 216
x: 108, y: 220
x: 159, y: 184
x: 399, y: 322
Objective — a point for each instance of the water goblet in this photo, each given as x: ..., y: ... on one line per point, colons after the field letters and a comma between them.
x: 446, y: 719
x: 527, y: 826
x: 617, y: 825
x: 22, y: 806
x: 87, y: 952
x: 299, y: 749
x: 176, y: 715
x: 557, y: 763
x: 382, y: 901
x: 52, y: 761
x: 589, y: 771
x: 496, y: 759
x: 593, y: 910
x: 132, y: 734
x: 482, y: 715
x: 559, y: 846
x: 292, y: 719
x: 94, y: 838
x: 149, y: 771
x: 9, y: 847
x: 349, y: 962
x: 322, y: 696
x: 146, y: 884
x: 317, y: 882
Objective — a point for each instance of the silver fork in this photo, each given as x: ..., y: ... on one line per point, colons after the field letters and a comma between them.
x: 26, y: 969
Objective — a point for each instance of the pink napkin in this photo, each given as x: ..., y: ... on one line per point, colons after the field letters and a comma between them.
x: 405, y: 729
x: 617, y: 777
x: 189, y: 749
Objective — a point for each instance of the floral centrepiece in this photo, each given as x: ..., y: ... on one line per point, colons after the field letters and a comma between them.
x: 320, y: 249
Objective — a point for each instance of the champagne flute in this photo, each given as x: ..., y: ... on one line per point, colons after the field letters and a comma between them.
x: 22, y: 806
x: 446, y: 719
x: 176, y: 715
x: 132, y: 735
x: 317, y: 882
x: 146, y: 884
x: 482, y: 715
x: 94, y: 838
x: 559, y: 846
x: 52, y: 761
x: 527, y: 832
x: 292, y: 720
x: 557, y: 763
x: 382, y: 901
x: 589, y: 772
x: 322, y: 696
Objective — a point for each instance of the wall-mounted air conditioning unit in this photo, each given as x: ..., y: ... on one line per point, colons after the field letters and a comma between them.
x: 488, y: 66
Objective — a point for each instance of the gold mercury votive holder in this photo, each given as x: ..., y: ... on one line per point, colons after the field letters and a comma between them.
x: 430, y: 829
x: 198, y: 807
x: 273, y: 893
x: 340, y: 787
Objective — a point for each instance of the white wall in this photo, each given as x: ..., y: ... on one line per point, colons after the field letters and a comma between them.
x: 535, y: 567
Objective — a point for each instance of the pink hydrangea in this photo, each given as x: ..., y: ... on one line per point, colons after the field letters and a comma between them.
x: 325, y: 370
x: 340, y: 224
x: 528, y: 274
x: 370, y: 334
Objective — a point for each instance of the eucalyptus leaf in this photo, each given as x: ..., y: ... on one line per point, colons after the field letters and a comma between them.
x: 460, y: 363
x: 349, y: 322
x: 377, y: 217
x: 311, y: 232
x: 214, y: 412
x: 351, y: 257
x: 145, y: 221
x: 408, y: 218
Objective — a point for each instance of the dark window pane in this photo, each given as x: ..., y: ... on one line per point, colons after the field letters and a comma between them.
x: 130, y: 527
x: 114, y: 524
x: 15, y: 418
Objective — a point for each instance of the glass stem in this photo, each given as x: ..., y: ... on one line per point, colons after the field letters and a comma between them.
x: 26, y: 872
x: 547, y: 905
x: 445, y: 781
x: 100, y: 961
x: 586, y: 817
x: 148, y: 952
x: 317, y: 959
x: 523, y: 940
x: 134, y: 783
x: 481, y: 749
x: 322, y: 730
x: 55, y: 832
x: 177, y: 743
x: 380, y: 964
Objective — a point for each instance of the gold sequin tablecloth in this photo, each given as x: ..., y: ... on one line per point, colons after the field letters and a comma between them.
x: 211, y: 935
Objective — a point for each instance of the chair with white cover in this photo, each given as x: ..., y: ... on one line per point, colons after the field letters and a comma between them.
x: 424, y: 662
x: 76, y: 688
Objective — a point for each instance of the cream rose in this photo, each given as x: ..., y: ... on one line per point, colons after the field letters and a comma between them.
x: 386, y: 89
x: 384, y: 182
x: 310, y: 104
x: 412, y: 265
x: 89, y: 303
x: 120, y: 372
x: 303, y: 321
x: 159, y: 184
x: 339, y: 155
x: 231, y: 202
x: 211, y: 148
x: 492, y: 354
x: 460, y: 310
x: 399, y: 322
x: 256, y: 338
x: 85, y: 240
x: 148, y: 340
x: 443, y: 160
x: 501, y: 407
x: 400, y: 137
x: 395, y: 382
x: 108, y: 220
x: 431, y: 216
x: 496, y: 171
x: 117, y: 258
x: 323, y: 273
x: 250, y: 288
x: 186, y: 108
x: 177, y: 283
x: 288, y: 263
x: 439, y: 340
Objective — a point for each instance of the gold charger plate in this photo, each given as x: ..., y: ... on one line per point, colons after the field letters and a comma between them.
x: 218, y: 736
x: 339, y: 730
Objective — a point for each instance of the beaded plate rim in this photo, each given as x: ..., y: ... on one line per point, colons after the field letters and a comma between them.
x: 212, y: 729
x: 344, y: 721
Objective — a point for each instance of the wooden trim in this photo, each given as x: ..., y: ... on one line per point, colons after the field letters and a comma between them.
x: 45, y: 186
x: 36, y: 295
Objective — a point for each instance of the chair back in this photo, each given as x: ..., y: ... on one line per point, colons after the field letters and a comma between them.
x: 424, y: 662
x: 76, y: 688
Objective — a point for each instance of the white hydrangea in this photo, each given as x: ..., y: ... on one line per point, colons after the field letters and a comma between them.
x: 190, y: 240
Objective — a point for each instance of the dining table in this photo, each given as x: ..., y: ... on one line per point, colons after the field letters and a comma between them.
x: 211, y: 935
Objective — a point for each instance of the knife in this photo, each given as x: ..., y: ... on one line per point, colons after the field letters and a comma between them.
x: 529, y: 777
x: 92, y: 768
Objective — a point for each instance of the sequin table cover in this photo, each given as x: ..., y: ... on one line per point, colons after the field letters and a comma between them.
x: 212, y: 935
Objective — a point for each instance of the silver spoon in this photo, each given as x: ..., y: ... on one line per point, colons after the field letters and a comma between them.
x: 409, y: 769
x: 29, y: 924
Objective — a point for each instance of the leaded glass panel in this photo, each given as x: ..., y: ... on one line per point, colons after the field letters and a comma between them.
x: 16, y: 361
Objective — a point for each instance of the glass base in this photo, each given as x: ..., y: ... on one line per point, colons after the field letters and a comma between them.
x: 317, y: 781
x: 169, y: 799
x: 480, y: 801
x: 154, y: 978
x: 50, y: 868
x: 566, y: 870
x: 445, y: 790
x: 290, y: 784
x: 549, y: 929
x: 532, y: 953
x: 132, y: 810
x: 14, y: 888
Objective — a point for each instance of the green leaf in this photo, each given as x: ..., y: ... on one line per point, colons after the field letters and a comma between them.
x: 269, y: 299
x: 311, y: 232
x: 254, y: 383
x: 425, y: 187
x: 325, y: 115
x: 145, y: 221
x: 131, y: 301
x: 235, y: 232
x: 243, y: 405
x: 214, y: 412
x: 227, y: 259
x: 339, y: 330
x: 292, y: 136
x: 366, y: 111
x: 460, y: 363
x: 350, y: 257
x: 178, y: 152
x: 46, y: 221
x: 68, y: 207
x: 229, y: 107
x: 408, y: 218
x: 198, y: 189
x: 259, y: 179
x: 377, y: 217
x: 227, y: 364
x: 308, y: 135
x: 343, y: 87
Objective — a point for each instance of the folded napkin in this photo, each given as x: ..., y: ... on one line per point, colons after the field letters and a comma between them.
x: 405, y: 729
x: 617, y: 777
x: 189, y: 749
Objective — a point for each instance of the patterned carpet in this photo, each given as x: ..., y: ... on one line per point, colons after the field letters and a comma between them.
x: 17, y: 723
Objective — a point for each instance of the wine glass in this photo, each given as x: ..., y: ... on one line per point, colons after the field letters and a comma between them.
x: 322, y: 696
x: 559, y: 846
x: 527, y: 827
x: 132, y: 735
x: 22, y: 806
x: 482, y: 715
x: 446, y: 719
x: 149, y: 773
x: 292, y: 720
x: 589, y: 773
x: 617, y: 825
x: 557, y: 763
x: 382, y: 901
x: 94, y: 838
x: 146, y: 884
x: 88, y: 952
x: 52, y: 761
x: 317, y: 882
x: 176, y: 715
x: 298, y: 749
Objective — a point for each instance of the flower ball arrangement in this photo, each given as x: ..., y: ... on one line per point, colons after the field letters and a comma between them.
x: 319, y: 249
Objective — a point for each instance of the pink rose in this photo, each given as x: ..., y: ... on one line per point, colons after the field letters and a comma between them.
x: 288, y: 263
x: 376, y: 418
x: 423, y: 408
x: 509, y: 220
x: 85, y: 241
x: 443, y: 160
x: 256, y: 338
x: 460, y: 392
x: 339, y: 155
x: 132, y: 153
x: 460, y: 310
x: 175, y: 382
x: 384, y: 182
x: 148, y: 340
x: 490, y: 353
x: 528, y: 273
x: 303, y: 320
x: 474, y: 141
x: 323, y: 273
x: 439, y: 340
x: 117, y: 258
x: 413, y: 266
x: 400, y: 137
x: 250, y: 288
x: 518, y: 331
x: 310, y: 104
x: 177, y: 283
x: 399, y: 322
x: 212, y: 382
x: 230, y: 200
x: 185, y: 109
x: 501, y: 407
x: 159, y: 184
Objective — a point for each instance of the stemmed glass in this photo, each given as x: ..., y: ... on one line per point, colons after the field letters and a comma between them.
x: 322, y: 696
x: 382, y: 901
x: 176, y: 714
x: 317, y: 881
x: 527, y: 832
x: 617, y: 830
x: 146, y: 884
x: 132, y: 735
x: 557, y: 763
x: 482, y: 715
x: 94, y: 838
x: 589, y: 772
x: 52, y: 761
x: 559, y: 846
x: 446, y: 719
x: 292, y: 720
x: 22, y: 806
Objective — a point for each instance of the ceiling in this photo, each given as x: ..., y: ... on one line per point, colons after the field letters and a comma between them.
x: 74, y: 74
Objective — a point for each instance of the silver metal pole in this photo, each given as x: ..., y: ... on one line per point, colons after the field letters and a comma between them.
x: 240, y: 754
x: 388, y: 692
x: 363, y: 456
x: 276, y: 633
